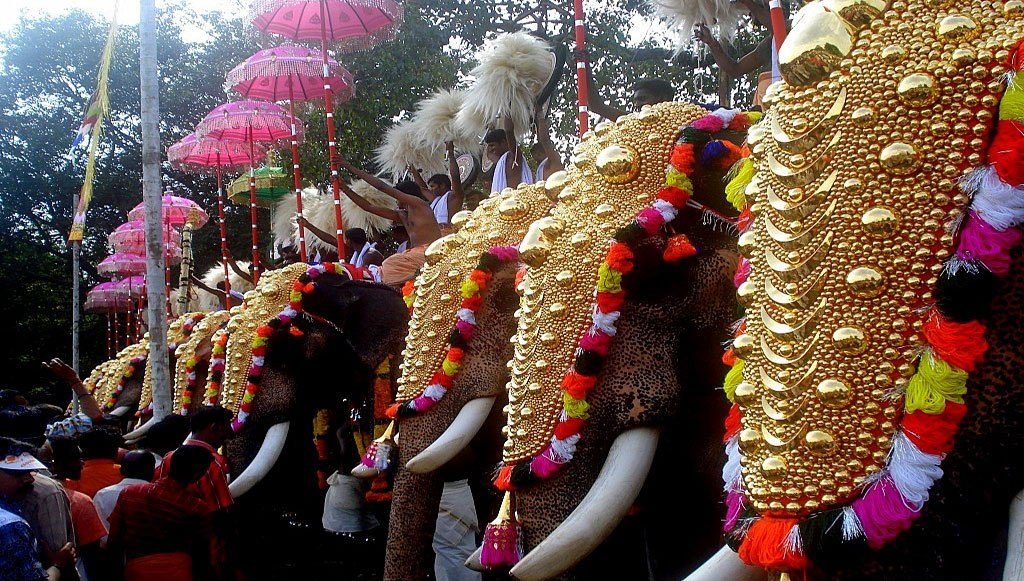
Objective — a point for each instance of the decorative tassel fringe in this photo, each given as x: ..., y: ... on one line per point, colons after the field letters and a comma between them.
x: 935, y: 383
x: 378, y: 453
x: 503, y: 538
x: 734, y: 190
x: 852, y: 529
x: 767, y: 545
x: 912, y: 471
x: 996, y: 202
x: 883, y: 513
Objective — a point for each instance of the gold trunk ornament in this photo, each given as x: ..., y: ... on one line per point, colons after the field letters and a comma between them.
x: 613, y: 175
x: 201, y: 333
x: 857, y: 160
x: 499, y: 220
x: 175, y: 335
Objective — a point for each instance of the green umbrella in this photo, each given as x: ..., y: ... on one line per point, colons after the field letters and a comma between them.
x: 271, y: 185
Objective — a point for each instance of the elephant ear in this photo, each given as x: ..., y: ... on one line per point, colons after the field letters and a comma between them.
x: 373, y: 319
x: 868, y: 270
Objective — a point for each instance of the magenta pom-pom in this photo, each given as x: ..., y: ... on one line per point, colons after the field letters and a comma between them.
x: 502, y: 546
x: 650, y: 220
x: 883, y: 513
x: 742, y: 272
x: 597, y: 342
x: 467, y: 330
x: 980, y: 241
x: 709, y: 123
x: 543, y: 467
x: 505, y: 253
x: 733, y: 508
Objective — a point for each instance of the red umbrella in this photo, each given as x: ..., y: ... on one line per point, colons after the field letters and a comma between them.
x: 217, y: 156
x: 290, y: 73
x: 351, y: 25
x: 251, y: 121
x: 176, y: 211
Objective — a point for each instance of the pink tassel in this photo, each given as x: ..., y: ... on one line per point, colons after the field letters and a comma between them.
x: 465, y: 329
x: 709, y: 123
x: 980, y: 241
x: 742, y: 272
x: 503, y: 545
x: 543, y: 467
x: 650, y: 220
x: 423, y: 403
x: 505, y: 253
x: 883, y: 513
x: 597, y: 342
x: 733, y: 508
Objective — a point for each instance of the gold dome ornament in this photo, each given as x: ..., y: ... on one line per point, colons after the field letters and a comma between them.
x: 618, y: 164
x: 819, y: 41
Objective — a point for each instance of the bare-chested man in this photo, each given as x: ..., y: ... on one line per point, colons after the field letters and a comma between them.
x: 413, y: 212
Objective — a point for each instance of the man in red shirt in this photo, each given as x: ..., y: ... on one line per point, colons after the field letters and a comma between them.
x: 211, y: 427
x: 161, y: 529
x: 99, y: 449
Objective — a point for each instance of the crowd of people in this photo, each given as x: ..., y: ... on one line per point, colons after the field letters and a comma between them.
x: 77, y: 503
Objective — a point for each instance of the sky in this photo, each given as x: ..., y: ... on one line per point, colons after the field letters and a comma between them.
x: 128, y: 10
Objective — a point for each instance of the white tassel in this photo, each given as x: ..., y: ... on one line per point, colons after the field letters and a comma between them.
x: 732, y: 475
x: 998, y: 203
x: 467, y: 315
x: 561, y: 451
x: 955, y: 264
x: 726, y: 115
x: 852, y: 528
x: 435, y: 391
x: 605, y: 322
x: 912, y: 471
x: 794, y: 543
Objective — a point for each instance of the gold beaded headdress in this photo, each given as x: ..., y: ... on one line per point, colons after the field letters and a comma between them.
x: 186, y: 352
x: 175, y: 335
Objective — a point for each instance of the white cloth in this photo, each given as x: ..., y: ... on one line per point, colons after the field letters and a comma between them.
x: 500, y: 180
x: 542, y: 171
x: 359, y: 257
x: 455, y: 533
x: 106, y: 498
x: 440, y: 207
x: 343, y: 506
x: 402, y: 247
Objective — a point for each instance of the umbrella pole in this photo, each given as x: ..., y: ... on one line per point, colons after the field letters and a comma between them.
x: 332, y: 147
x: 297, y: 175
x: 252, y: 211
x: 581, y: 66
x: 117, y: 332
x: 223, y: 234
x: 110, y: 338
x: 167, y: 265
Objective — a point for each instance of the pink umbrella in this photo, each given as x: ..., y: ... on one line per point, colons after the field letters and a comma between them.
x: 121, y: 264
x: 251, y: 121
x: 107, y: 298
x: 353, y: 24
x: 133, y: 287
x: 216, y: 155
x: 290, y: 73
x: 176, y: 211
x: 131, y: 237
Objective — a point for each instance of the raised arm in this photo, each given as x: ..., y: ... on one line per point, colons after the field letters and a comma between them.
x: 324, y: 236
x: 513, y: 171
x: 595, y: 103
x: 748, y: 63
x: 402, y: 197
x: 202, y: 285
x: 365, y: 205
x: 457, y: 197
x: 550, y: 151
x: 238, y: 270
x: 418, y: 178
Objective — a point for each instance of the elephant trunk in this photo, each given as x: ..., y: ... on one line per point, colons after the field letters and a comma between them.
x: 606, y: 503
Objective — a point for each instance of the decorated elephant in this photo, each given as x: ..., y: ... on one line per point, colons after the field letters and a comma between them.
x: 453, y: 373
x: 877, y: 414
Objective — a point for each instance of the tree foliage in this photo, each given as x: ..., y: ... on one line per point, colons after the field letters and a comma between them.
x: 48, y: 68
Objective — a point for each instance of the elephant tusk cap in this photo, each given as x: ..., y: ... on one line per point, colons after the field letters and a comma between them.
x: 266, y: 457
x: 606, y: 503
x: 726, y: 564
x: 455, y: 438
x: 473, y: 562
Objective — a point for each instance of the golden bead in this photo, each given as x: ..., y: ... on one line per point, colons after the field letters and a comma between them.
x: 746, y: 393
x: 850, y: 340
x: 865, y: 282
x: 815, y: 47
x: 918, y: 89
x: 555, y: 183
x: 820, y: 442
x: 743, y: 345
x: 774, y: 468
x: 834, y: 393
x: 618, y: 164
x: 749, y: 440
x: 900, y: 159
x: 957, y: 28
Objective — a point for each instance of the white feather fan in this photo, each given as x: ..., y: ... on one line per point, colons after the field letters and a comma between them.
x: 207, y: 302
x: 683, y: 15
x: 435, y: 124
x: 356, y: 217
x: 284, y: 227
x: 513, y: 70
x: 402, y: 147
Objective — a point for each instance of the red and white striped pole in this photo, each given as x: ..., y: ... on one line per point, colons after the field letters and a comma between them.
x: 253, y: 217
x: 581, y: 65
x: 223, y: 234
x: 332, y: 144
x: 778, y: 22
x: 296, y: 174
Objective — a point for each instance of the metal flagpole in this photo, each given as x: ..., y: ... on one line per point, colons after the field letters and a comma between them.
x: 332, y: 145
x: 151, y: 195
x: 581, y: 66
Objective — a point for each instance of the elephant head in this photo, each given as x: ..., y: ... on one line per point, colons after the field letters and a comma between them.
x: 192, y: 360
x: 454, y: 361
x: 119, y: 389
x: 301, y: 342
x: 596, y: 380
x: 875, y: 430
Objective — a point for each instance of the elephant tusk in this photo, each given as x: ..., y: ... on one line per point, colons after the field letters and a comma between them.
x: 456, y: 437
x: 120, y: 411
x: 606, y: 503
x: 364, y: 472
x: 473, y: 562
x: 726, y: 564
x: 136, y: 434
x: 266, y: 457
x: 1013, y: 570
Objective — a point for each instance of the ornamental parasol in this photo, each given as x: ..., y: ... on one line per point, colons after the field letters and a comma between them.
x: 209, y: 155
x: 131, y: 237
x: 351, y: 24
x: 291, y: 73
x: 107, y: 298
x: 251, y: 121
x: 175, y: 210
x: 122, y: 264
x: 272, y: 184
